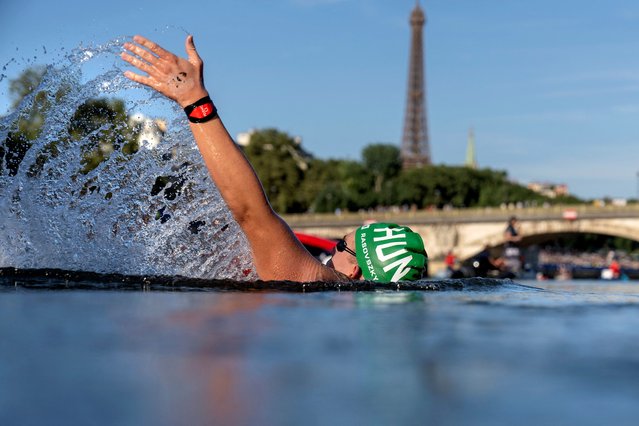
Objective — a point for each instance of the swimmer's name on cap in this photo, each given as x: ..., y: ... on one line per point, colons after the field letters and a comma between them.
x: 201, y: 111
x: 387, y: 252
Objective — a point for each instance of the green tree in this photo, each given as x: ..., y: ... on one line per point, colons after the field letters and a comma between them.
x: 383, y: 161
x: 337, y: 184
x: 280, y: 163
x: 320, y: 191
x: 459, y: 187
x: 25, y: 84
x: 28, y: 126
x: 104, y: 122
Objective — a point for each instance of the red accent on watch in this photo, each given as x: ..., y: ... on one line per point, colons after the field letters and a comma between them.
x: 201, y: 111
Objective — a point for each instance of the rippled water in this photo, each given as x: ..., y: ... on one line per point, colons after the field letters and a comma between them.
x: 148, y: 208
x: 465, y: 352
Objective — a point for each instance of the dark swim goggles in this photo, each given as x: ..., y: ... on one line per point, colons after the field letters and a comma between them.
x: 341, y: 246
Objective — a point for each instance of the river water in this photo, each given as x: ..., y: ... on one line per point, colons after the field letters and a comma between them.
x: 480, y: 352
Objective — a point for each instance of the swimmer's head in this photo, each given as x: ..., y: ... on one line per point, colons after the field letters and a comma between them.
x: 387, y: 252
x: 344, y: 259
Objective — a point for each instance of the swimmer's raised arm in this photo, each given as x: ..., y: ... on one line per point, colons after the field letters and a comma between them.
x: 277, y: 253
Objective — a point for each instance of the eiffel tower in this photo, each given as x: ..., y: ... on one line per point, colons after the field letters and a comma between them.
x: 415, y: 150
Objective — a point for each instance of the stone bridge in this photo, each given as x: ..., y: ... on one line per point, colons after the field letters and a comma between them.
x: 467, y: 231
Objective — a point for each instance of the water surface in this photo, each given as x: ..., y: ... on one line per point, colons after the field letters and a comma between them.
x: 470, y: 353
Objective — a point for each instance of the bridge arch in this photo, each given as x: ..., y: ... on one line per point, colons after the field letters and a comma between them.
x: 472, y: 238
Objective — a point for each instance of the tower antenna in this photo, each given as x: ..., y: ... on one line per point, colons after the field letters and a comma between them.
x: 471, y: 159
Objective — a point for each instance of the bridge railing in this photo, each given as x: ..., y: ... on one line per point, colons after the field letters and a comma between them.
x: 488, y: 214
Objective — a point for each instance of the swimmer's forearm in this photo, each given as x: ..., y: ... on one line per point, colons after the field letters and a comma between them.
x: 232, y: 173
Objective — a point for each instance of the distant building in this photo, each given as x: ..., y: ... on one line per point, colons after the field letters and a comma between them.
x: 244, y: 138
x: 617, y: 202
x: 151, y: 130
x: 550, y: 190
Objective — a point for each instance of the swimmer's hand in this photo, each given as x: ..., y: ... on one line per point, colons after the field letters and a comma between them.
x: 176, y: 78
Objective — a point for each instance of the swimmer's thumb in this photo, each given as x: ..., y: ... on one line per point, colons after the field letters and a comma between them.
x: 194, y: 58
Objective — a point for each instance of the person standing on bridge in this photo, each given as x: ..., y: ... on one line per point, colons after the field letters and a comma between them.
x: 512, y: 253
x: 377, y: 252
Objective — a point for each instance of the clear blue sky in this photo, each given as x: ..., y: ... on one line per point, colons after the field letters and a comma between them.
x: 550, y: 87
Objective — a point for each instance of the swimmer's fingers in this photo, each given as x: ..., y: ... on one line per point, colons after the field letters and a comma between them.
x: 141, y: 65
x: 154, y: 47
x: 142, y: 53
x: 147, y: 81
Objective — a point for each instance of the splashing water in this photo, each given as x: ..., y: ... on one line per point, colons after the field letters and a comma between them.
x: 99, y: 174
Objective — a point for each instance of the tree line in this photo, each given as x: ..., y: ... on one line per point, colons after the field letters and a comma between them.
x: 297, y: 182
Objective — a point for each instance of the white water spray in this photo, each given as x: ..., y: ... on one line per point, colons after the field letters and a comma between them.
x: 152, y: 210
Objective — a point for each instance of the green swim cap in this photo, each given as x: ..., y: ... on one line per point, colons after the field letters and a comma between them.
x: 388, y: 252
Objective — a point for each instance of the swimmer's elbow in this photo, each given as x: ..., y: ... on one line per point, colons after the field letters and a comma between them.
x: 249, y: 218
x: 242, y: 216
